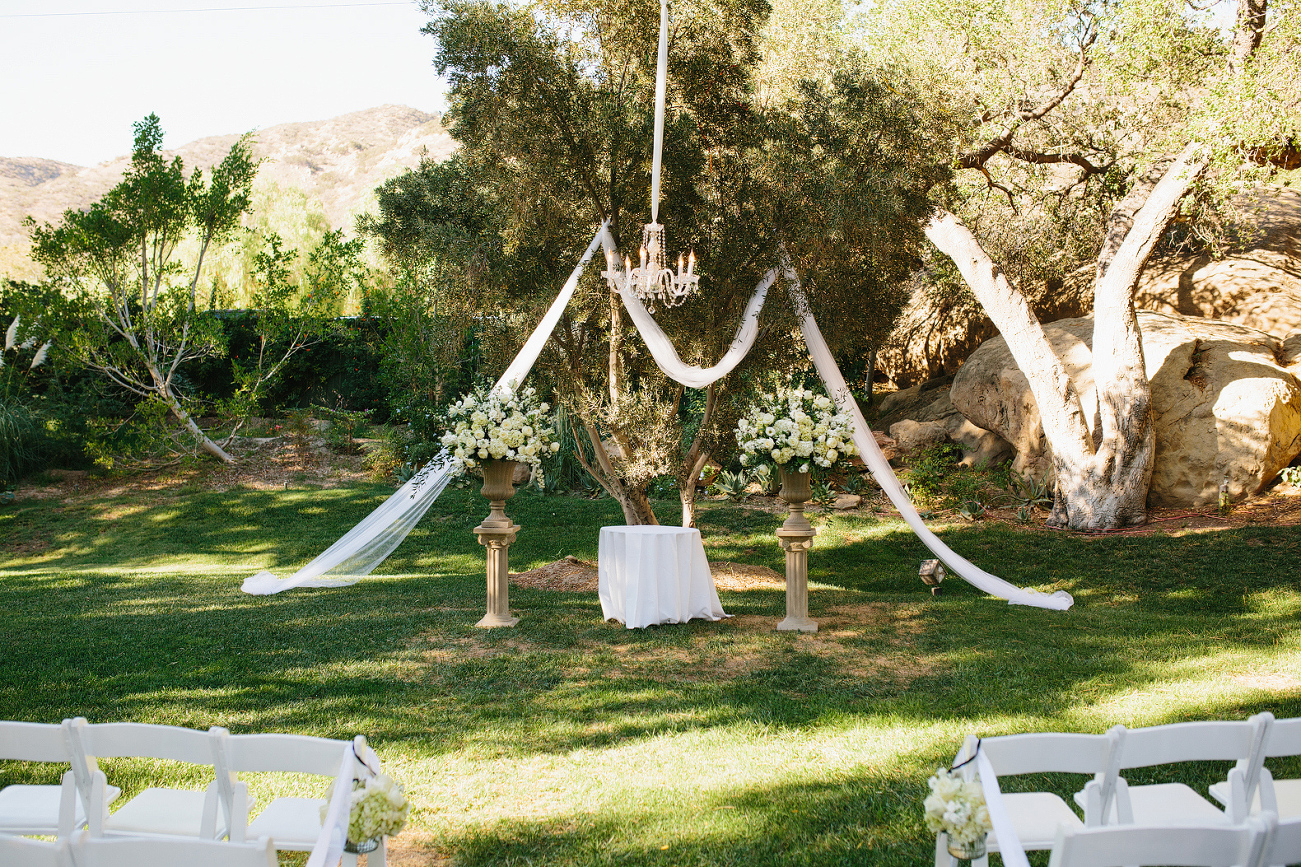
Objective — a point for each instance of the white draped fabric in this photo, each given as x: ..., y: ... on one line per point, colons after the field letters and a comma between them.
x: 367, y: 545
x: 1009, y: 845
x: 661, y: 348
x: 328, y: 849
x: 669, y: 362
x: 889, y: 482
x: 370, y: 542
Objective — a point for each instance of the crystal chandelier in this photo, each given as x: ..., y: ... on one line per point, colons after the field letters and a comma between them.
x: 652, y: 280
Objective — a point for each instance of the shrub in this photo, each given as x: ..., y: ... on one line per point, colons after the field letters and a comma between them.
x: 20, y: 432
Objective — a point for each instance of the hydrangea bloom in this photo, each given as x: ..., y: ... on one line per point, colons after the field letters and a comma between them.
x: 378, y: 808
x: 505, y: 425
x: 794, y: 428
x: 956, y: 807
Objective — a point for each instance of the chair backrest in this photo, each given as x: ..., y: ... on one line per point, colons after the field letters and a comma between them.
x: 1045, y: 752
x: 34, y: 742
x: 1284, y: 738
x: 303, y: 754
x: 1172, y: 846
x: 1228, y: 740
x: 25, y: 852
x: 90, y: 851
x: 148, y: 740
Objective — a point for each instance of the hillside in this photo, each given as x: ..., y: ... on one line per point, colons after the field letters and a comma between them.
x: 336, y: 162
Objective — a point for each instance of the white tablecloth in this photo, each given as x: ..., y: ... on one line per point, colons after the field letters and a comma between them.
x: 651, y: 575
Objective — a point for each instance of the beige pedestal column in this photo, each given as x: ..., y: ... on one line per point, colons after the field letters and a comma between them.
x: 796, y: 538
x: 496, y: 534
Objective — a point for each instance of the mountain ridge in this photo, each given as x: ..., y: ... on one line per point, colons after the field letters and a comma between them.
x: 336, y: 162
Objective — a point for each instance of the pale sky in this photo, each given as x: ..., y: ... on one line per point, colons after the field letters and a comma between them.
x: 78, y: 73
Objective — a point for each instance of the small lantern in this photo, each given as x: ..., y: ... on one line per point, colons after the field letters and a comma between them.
x: 932, y: 573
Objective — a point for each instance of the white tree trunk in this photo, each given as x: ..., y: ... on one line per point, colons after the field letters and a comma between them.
x: 1102, y: 475
x: 164, y: 391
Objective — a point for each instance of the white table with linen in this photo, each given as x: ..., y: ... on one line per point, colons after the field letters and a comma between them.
x: 650, y: 575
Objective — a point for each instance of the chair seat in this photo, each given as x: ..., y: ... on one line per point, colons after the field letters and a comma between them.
x: 28, y: 809
x: 34, y: 809
x: 1287, y: 792
x: 292, y: 823
x: 175, y: 812
x: 1173, y: 804
x: 1036, y: 816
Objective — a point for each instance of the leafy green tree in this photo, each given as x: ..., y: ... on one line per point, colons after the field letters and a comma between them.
x: 552, y: 103
x: 296, y: 299
x: 132, y: 311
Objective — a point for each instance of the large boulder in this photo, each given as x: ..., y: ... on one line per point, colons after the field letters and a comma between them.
x: 1258, y: 284
x: 1224, y: 403
x: 925, y: 414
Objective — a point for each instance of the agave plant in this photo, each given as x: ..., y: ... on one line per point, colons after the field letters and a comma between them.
x: 732, y: 485
x: 824, y: 496
x: 1030, y: 493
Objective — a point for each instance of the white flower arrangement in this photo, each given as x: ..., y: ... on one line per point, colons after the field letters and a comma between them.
x: 506, y: 425
x: 378, y: 808
x: 794, y: 428
x: 957, y: 807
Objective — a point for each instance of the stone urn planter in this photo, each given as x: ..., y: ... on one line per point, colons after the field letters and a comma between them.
x: 496, y: 533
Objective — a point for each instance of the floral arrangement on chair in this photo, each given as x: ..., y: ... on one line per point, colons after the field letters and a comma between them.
x: 957, y: 807
x: 794, y: 428
x: 378, y: 808
x: 507, y: 424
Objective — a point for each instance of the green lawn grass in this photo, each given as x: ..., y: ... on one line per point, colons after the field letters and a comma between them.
x: 571, y: 741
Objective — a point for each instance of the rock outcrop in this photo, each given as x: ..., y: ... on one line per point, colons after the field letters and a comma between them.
x: 1226, y: 403
x: 925, y: 414
x: 1258, y: 286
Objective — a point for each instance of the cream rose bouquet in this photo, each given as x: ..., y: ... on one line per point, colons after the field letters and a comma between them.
x: 506, y: 425
x: 794, y: 428
x: 957, y: 807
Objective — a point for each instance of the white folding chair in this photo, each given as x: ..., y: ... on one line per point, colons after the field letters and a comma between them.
x: 156, y: 810
x: 1285, y: 849
x: 1168, y: 845
x: 1263, y: 792
x: 89, y: 851
x: 1036, y: 816
x: 42, y: 809
x: 293, y: 823
x: 1162, y: 804
x: 22, y: 852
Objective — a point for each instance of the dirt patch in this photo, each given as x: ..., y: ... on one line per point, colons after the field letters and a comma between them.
x: 260, y: 464
x: 742, y: 576
x: 411, y: 849
x: 569, y: 575
x: 1280, y: 684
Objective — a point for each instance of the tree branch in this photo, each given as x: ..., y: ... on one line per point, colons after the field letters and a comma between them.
x: 1002, y: 143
